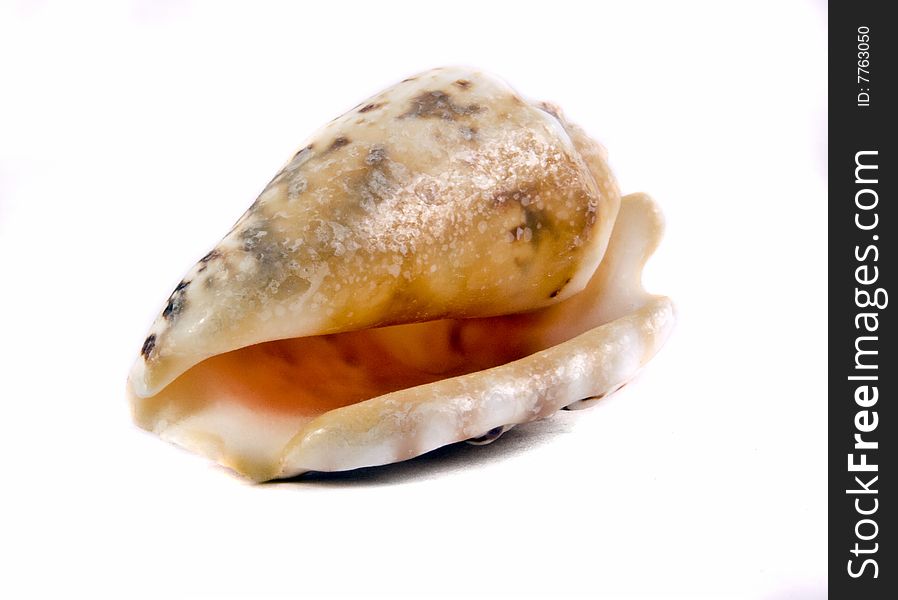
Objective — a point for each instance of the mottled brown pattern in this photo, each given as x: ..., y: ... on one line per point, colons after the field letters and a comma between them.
x: 376, y: 154
x: 376, y: 186
x: 533, y: 216
x: 437, y: 104
x: 260, y: 242
x: 463, y: 83
x: 251, y: 236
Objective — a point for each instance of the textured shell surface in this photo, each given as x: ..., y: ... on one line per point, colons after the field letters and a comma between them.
x: 440, y: 263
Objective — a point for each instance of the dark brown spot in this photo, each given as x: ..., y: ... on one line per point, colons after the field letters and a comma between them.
x: 373, y: 106
x: 437, y: 104
x: 463, y: 83
x: 338, y: 143
x: 176, y: 302
x: 212, y: 255
x: 149, y: 345
x: 558, y: 290
x: 409, y: 79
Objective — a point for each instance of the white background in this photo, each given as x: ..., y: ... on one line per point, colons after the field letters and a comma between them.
x: 133, y: 135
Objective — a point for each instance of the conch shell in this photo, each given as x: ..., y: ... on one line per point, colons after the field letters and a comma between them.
x: 442, y: 262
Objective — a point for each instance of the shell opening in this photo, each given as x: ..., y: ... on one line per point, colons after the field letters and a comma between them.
x: 246, y: 407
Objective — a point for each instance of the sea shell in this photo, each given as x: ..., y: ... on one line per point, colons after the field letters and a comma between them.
x: 442, y: 262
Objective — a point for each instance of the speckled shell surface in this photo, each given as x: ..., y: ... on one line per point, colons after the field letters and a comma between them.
x: 443, y: 261
x: 446, y: 195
